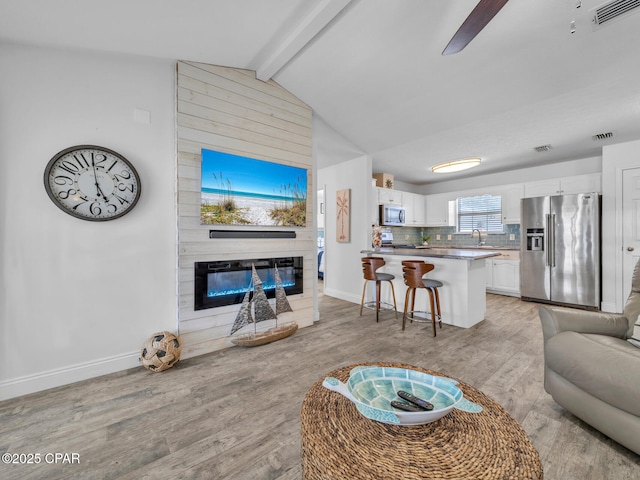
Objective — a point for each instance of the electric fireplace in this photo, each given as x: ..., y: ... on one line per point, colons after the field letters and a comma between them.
x: 225, y: 282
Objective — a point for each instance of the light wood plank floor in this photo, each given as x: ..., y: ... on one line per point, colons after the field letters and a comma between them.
x: 234, y: 414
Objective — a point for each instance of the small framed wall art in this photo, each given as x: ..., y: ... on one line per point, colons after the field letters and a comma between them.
x: 343, y: 215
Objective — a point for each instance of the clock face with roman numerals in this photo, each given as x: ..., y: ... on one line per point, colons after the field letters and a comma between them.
x: 92, y: 183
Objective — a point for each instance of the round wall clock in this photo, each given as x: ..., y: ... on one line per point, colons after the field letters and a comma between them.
x: 92, y: 183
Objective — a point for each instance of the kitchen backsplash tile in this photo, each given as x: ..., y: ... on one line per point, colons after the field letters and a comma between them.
x: 413, y: 235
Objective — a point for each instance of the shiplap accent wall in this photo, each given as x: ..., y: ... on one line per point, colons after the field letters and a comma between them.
x: 229, y: 110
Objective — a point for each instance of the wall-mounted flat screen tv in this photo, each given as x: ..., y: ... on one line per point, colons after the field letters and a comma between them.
x: 237, y: 190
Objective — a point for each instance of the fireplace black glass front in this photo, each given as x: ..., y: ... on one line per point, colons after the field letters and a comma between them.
x: 225, y: 282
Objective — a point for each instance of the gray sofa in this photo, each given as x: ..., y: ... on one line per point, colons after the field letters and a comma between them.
x: 590, y: 368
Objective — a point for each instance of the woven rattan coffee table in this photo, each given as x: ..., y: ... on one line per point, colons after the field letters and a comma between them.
x: 339, y: 443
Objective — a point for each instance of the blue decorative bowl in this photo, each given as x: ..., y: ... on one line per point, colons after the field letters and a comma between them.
x: 373, y: 388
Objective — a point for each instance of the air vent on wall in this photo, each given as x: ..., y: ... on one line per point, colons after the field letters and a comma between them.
x: 542, y: 148
x: 611, y: 10
x: 602, y: 136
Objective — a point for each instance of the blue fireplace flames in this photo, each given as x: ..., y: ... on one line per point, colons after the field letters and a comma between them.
x: 225, y: 282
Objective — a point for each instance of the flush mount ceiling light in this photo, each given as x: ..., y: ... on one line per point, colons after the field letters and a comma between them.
x: 456, y: 165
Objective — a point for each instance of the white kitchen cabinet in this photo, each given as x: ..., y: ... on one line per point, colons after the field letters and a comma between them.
x: 375, y: 206
x: 389, y: 196
x: 590, y: 182
x: 510, y: 195
x: 506, y: 276
x: 414, y: 206
x: 503, y: 274
x: 437, y: 209
x: 489, y: 272
x: 587, y: 183
x: 542, y: 188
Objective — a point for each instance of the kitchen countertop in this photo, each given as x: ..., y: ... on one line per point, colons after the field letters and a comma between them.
x: 454, y: 253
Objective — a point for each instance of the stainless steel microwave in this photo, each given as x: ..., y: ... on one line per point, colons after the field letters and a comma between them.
x: 391, y: 215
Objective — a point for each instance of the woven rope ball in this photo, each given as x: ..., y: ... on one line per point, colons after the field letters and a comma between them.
x: 161, y: 351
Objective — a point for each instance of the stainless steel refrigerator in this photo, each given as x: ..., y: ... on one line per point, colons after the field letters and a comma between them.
x: 560, y: 250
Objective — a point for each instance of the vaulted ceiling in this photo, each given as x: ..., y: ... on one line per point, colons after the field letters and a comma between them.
x: 373, y: 72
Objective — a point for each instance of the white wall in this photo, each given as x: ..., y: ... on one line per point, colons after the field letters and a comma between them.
x: 343, y: 277
x: 79, y: 298
x: 329, y: 146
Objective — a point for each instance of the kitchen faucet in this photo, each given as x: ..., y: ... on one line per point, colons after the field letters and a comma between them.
x: 480, y: 242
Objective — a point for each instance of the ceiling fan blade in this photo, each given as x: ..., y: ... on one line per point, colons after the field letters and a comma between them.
x: 475, y: 22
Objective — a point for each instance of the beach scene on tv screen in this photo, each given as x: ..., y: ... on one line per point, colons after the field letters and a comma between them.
x: 238, y: 190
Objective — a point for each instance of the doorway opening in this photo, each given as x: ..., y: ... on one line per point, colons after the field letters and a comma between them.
x: 320, y: 239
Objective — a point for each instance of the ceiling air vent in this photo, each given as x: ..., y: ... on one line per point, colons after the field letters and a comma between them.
x: 611, y: 10
x: 542, y: 148
x: 602, y: 136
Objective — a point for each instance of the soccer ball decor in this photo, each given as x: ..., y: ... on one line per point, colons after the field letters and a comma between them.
x: 161, y: 351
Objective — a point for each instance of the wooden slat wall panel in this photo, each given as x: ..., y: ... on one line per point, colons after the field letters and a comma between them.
x: 259, y: 114
x: 229, y: 80
x: 248, y: 77
x: 252, y: 98
x: 239, y: 146
x: 229, y: 110
x: 234, y: 124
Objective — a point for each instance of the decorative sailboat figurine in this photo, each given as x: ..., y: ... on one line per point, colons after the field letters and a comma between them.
x: 282, y: 304
x: 244, y: 317
x: 262, y: 311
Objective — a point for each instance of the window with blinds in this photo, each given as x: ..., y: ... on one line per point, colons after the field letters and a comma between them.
x: 482, y: 212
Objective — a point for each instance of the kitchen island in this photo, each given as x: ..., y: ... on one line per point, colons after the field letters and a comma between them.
x: 462, y: 272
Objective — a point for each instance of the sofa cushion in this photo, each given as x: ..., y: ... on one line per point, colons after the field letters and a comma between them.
x: 632, y: 307
x: 607, y: 368
x: 635, y: 335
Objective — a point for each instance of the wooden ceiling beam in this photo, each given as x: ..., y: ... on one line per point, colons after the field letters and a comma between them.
x: 300, y: 35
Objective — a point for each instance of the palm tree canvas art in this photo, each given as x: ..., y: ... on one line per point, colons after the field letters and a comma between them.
x: 343, y: 214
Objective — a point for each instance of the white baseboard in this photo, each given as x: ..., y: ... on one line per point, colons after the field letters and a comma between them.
x: 64, y: 376
x: 348, y: 297
x: 503, y: 292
